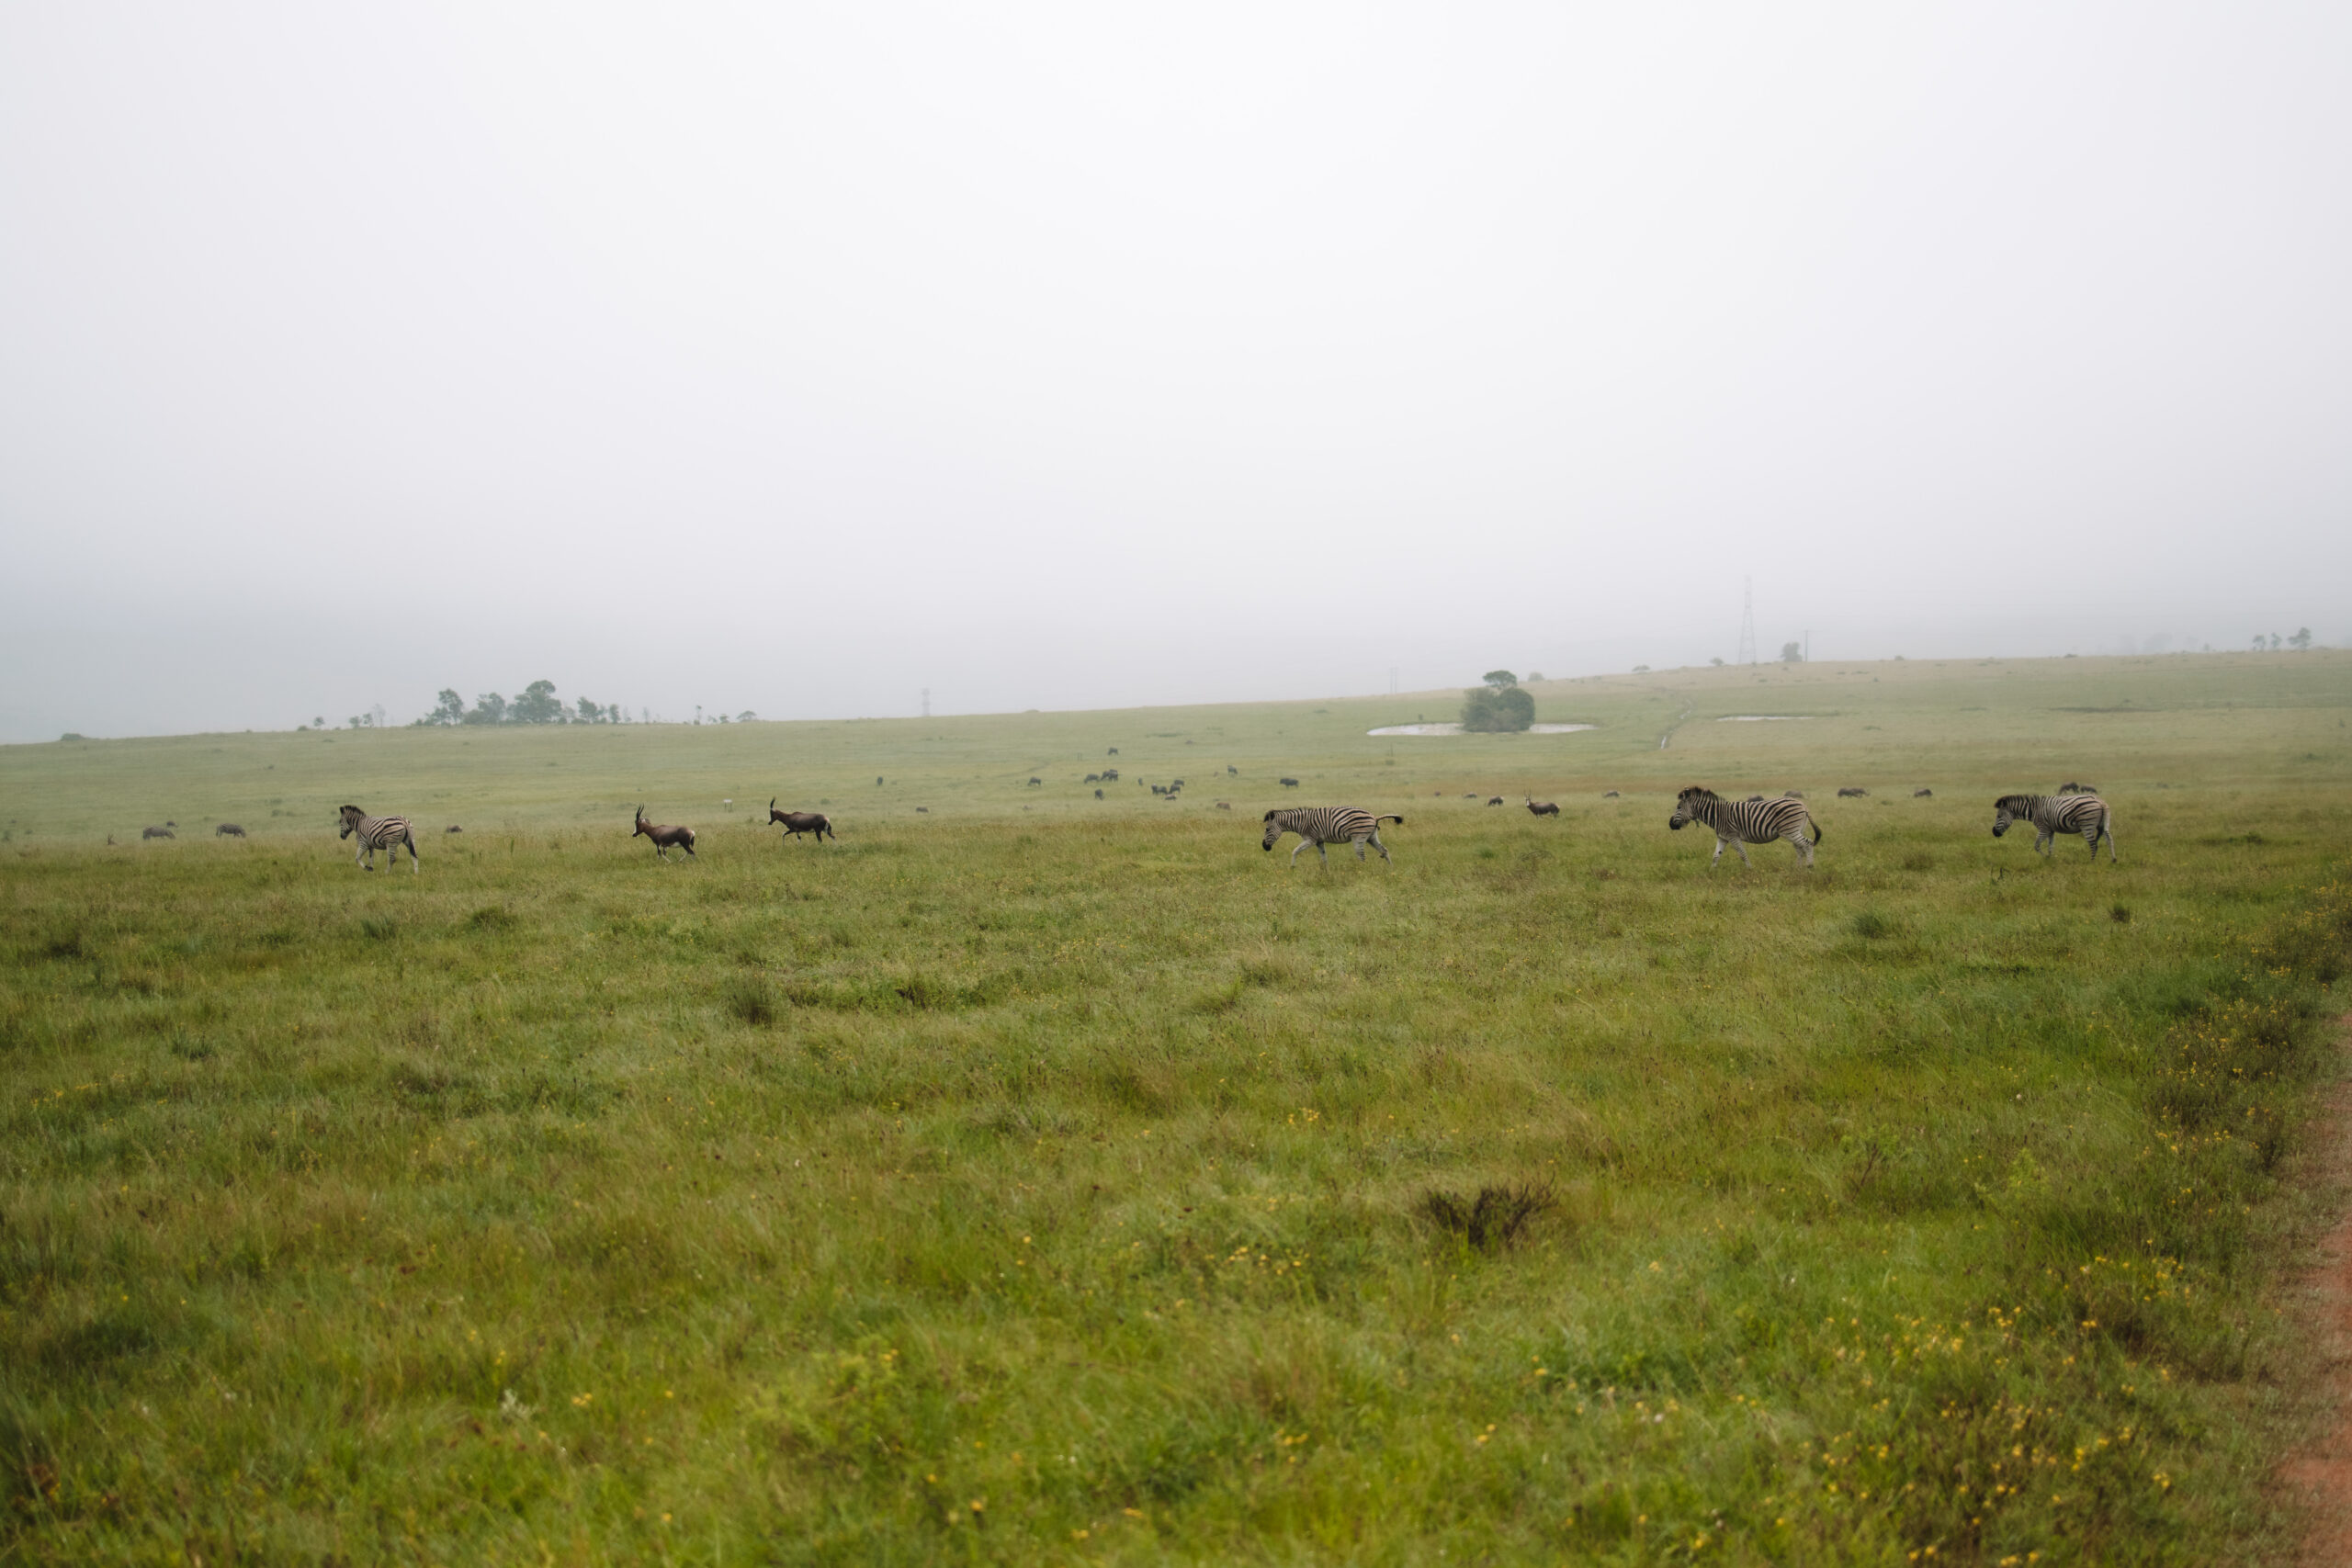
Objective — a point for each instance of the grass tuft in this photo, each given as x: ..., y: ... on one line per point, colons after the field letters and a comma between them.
x: 1491, y: 1221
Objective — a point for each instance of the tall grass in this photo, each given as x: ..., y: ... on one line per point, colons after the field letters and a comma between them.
x: 1071, y: 1186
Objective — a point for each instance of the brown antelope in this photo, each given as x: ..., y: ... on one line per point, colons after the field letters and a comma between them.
x: 799, y: 822
x: 1541, y: 808
x: 664, y: 837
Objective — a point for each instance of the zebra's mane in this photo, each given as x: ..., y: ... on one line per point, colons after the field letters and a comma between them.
x: 1701, y: 791
x: 2013, y: 803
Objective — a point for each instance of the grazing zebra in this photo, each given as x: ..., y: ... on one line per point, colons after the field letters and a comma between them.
x: 385, y: 833
x: 1743, y: 822
x: 2054, y: 814
x: 664, y: 837
x: 1321, y: 825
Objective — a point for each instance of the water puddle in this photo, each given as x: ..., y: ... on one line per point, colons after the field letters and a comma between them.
x: 1456, y: 730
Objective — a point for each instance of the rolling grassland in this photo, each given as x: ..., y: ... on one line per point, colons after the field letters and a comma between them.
x: 1037, y: 1179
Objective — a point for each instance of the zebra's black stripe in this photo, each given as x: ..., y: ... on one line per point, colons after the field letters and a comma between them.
x: 1321, y: 825
x: 2054, y: 814
x: 385, y: 833
x: 1743, y: 822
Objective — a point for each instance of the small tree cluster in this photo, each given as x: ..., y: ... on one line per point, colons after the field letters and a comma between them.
x: 1501, y: 706
x: 536, y: 703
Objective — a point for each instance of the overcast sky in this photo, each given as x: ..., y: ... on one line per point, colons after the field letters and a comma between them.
x: 799, y: 358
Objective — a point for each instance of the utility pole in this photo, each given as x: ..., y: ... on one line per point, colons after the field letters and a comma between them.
x: 926, y: 702
x: 1747, y: 621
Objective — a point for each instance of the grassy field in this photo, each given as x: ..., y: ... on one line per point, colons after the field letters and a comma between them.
x: 1035, y: 1178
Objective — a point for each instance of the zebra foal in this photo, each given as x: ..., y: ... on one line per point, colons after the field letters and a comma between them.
x: 1321, y: 825
x: 385, y: 833
x: 2054, y: 814
x: 1743, y: 822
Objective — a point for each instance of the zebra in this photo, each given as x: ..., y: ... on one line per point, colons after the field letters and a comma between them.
x: 2054, y: 814
x: 1743, y: 822
x: 1321, y: 825
x: 385, y: 833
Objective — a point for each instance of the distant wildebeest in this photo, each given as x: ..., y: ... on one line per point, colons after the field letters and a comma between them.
x: 666, y: 838
x: 1093, y: 778
x: 1156, y: 790
x: 924, y: 809
x: 1469, y: 794
x: 453, y: 828
x: 799, y: 822
x: 228, y: 830
x: 1494, y: 800
x: 1113, y: 752
x: 1851, y: 794
x: 1034, y: 783
x: 1110, y: 776
x: 878, y: 781
x: 1792, y: 795
x: 1232, y: 770
x: 1098, y: 794
x: 1321, y: 825
x: 157, y: 833
x: 1290, y: 783
x: 385, y: 833
x: 2062, y: 789
x: 1922, y: 793
x: 169, y: 823
x: 1610, y: 795
x: 1176, y: 784
x: 2051, y: 814
x: 1541, y: 808
x: 1743, y: 822
x: 1225, y: 805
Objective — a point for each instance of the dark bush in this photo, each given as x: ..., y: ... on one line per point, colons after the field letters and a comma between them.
x: 1491, y: 1221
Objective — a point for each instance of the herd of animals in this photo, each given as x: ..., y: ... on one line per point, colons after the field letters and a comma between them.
x: 2076, y: 809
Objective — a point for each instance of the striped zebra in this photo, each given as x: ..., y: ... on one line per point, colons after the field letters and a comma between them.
x: 2054, y: 814
x: 1321, y: 825
x: 385, y: 833
x: 1743, y: 822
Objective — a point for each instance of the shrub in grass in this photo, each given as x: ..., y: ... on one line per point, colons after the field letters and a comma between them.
x: 1491, y: 1221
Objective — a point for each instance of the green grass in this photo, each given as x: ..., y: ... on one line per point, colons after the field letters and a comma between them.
x: 1045, y: 1180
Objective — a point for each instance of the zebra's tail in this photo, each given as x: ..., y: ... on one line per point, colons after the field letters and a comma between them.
x: 1817, y: 834
x: 1391, y: 817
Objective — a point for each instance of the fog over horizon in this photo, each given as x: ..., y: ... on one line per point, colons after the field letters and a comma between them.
x: 801, y: 360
